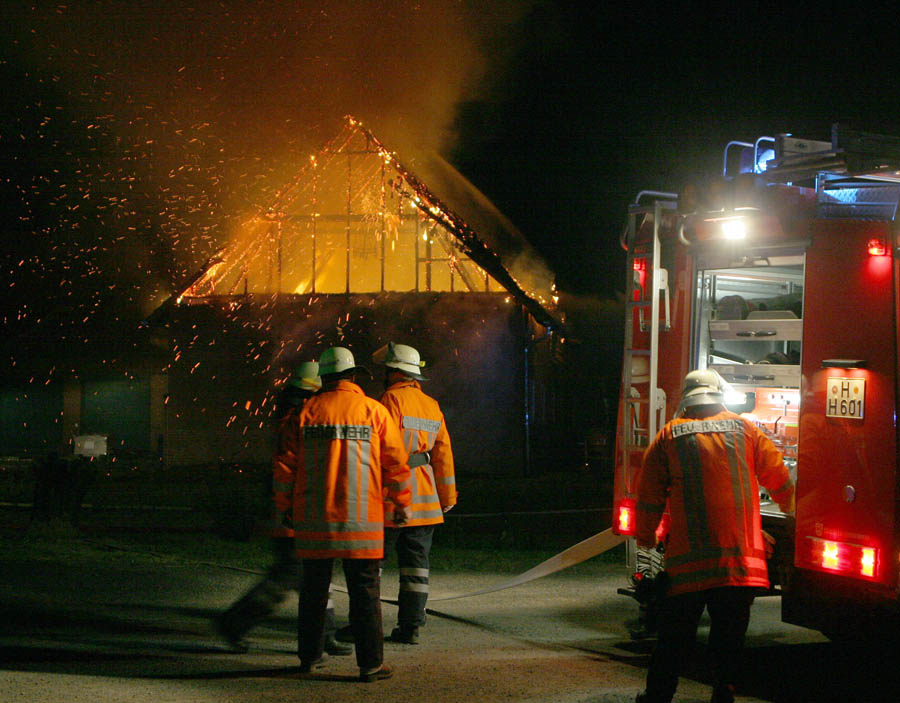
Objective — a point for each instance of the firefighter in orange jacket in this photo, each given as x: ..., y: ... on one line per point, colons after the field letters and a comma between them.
x: 336, y: 458
x: 708, y: 464
x: 426, y: 439
x: 284, y: 574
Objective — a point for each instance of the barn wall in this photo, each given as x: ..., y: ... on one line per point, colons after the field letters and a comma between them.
x: 230, y: 361
x: 199, y: 388
x: 30, y: 420
x: 119, y: 409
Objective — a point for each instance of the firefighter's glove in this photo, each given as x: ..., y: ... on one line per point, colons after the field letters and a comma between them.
x: 402, y: 515
x: 643, y: 586
x: 769, y: 541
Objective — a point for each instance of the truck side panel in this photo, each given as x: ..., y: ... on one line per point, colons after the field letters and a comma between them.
x: 844, y: 550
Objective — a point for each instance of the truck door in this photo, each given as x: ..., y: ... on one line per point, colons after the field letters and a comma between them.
x: 847, y: 428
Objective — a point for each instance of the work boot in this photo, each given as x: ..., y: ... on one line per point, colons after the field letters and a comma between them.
x: 336, y: 649
x: 235, y: 642
x: 638, y: 629
x: 404, y: 635
x: 307, y: 666
x: 382, y: 672
x: 344, y: 634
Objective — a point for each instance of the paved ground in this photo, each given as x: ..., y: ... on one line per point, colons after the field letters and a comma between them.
x: 72, y: 633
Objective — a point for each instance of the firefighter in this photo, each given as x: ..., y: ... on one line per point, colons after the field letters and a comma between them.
x: 426, y: 439
x: 284, y: 574
x: 708, y: 463
x: 337, y: 458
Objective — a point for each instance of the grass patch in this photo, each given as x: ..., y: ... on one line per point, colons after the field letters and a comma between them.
x: 63, y: 544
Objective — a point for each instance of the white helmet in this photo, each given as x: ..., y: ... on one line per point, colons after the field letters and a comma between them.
x: 306, y: 377
x: 338, y: 360
x: 702, y: 387
x: 401, y: 357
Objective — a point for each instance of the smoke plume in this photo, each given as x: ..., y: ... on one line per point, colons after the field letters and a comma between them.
x: 143, y: 132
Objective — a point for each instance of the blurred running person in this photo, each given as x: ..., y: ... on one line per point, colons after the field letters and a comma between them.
x: 284, y: 575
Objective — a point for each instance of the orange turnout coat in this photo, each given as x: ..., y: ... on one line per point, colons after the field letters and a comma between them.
x: 424, y: 430
x: 709, y: 470
x: 336, y: 460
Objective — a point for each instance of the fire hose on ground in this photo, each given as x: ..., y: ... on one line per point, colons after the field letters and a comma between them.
x: 577, y: 553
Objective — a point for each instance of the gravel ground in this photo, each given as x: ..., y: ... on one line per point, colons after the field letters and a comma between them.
x: 73, y: 633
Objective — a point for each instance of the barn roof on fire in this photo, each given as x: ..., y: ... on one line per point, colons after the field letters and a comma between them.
x: 355, y: 219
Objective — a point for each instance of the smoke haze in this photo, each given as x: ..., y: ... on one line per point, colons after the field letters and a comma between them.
x: 142, y: 133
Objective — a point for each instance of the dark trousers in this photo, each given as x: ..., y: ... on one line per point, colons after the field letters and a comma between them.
x: 412, y: 544
x: 264, y: 598
x: 679, y: 616
x: 363, y: 587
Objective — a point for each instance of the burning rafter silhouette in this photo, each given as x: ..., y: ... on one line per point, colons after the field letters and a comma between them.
x: 354, y: 219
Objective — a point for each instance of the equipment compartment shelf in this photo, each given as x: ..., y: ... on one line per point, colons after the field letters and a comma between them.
x: 787, y: 375
x: 756, y: 330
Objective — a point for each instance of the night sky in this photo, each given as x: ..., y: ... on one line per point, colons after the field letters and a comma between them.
x: 135, y: 135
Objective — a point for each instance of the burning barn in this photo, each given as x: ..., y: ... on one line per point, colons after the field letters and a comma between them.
x: 356, y: 250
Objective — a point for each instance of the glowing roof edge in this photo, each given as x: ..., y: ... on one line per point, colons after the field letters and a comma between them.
x: 472, y: 244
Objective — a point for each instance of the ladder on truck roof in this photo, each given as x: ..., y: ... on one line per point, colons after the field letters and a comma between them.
x: 637, y: 435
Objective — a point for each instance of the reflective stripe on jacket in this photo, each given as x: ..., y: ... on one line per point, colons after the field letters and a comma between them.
x: 337, y: 458
x: 709, y: 470
x: 424, y: 430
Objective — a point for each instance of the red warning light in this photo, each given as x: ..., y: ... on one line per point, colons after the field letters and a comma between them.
x: 877, y: 247
x: 624, y: 523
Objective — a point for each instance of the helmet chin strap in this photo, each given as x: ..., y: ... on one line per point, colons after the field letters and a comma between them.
x: 699, y: 410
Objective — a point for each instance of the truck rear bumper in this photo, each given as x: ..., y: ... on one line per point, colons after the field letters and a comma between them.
x: 838, y: 606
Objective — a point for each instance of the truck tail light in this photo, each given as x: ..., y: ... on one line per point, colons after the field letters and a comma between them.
x: 867, y: 563
x: 624, y: 518
x: 877, y: 247
x: 843, y: 557
x: 831, y: 556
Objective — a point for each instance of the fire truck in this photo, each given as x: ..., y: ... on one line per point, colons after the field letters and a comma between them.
x: 782, y: 275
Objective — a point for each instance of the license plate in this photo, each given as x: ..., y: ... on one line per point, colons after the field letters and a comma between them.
x: 845, y: 397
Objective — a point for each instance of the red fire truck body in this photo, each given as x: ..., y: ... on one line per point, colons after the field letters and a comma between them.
x: 784, y: 278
